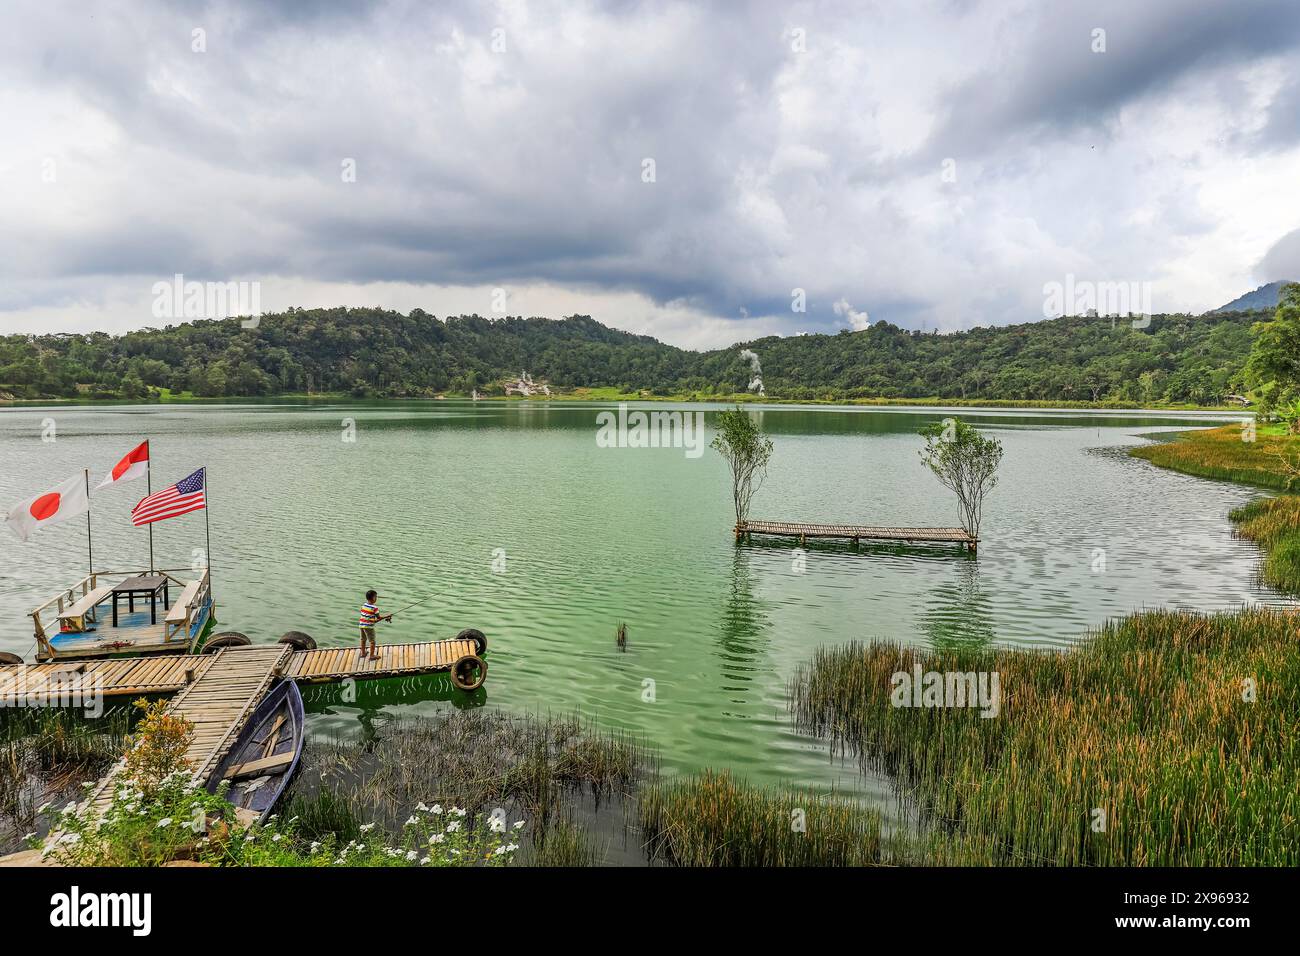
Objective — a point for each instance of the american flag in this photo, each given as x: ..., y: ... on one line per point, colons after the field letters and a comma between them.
x: 180, y: 499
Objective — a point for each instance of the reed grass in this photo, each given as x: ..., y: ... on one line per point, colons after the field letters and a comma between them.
x: 323, y: 813
x: 1221, y: 453
x: 44, y: 753
x: 1148, y: 721
x: 565, y: 844
x: 715, y: 820
x: 478, y: 760
x: 1274, y: 524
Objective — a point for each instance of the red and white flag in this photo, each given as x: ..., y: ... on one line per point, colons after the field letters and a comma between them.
x: 134, y: 465
x: 180, y: 499
x: 68, y: 500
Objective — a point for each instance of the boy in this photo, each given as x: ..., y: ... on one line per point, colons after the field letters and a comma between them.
x: 370, y: 616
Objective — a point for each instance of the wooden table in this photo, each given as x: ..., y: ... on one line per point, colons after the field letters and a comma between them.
x: 142, y: 585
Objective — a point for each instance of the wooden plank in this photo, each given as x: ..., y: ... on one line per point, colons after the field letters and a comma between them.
x: 253, y: 768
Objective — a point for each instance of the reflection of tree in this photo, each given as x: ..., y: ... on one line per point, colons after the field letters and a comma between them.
x: 958, y: 613
x: 741, y: 626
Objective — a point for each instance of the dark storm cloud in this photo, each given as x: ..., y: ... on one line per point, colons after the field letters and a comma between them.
x: 1046, y: 75
x: 776, y: 168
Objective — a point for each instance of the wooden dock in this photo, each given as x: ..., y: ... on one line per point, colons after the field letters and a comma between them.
x: 217, y: 703
x: 329, y: 664
x: 855, y: 533
x: 42, y: 684
x: 58, y: 681
x: 218, y: 692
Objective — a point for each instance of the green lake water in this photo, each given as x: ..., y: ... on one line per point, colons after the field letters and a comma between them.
x: 429, y: 495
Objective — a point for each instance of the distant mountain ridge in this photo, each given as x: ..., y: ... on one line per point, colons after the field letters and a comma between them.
x: 377, y: 352
x: 1265, y: 297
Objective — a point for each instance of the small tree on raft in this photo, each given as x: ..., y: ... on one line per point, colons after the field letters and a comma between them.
x: 965, y: 461
x: 747, y: 450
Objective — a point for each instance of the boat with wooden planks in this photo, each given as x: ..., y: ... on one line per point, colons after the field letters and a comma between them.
x: 116, y: 613
x: 260, y: 763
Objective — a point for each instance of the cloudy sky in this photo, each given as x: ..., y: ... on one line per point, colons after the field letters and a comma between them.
x: 674, y: 169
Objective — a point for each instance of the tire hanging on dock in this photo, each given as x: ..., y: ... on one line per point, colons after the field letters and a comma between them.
x: 469, y: 672
x: 299, y: 640
x: 7, y: 658
x: 225, y: 639
x: 475, y: 635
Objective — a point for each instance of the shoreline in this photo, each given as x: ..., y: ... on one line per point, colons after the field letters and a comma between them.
x: 602, y: 396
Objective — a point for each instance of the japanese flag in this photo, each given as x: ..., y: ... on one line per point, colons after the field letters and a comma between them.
x: 66, y: 501
x: 134, y: 465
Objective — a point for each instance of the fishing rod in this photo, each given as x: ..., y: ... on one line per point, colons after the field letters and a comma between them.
x: 416, y: 604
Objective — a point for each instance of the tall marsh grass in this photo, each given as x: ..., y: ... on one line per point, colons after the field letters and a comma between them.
x: 1152, y: 722
x: 717, y: 820
x: 1274, y: 524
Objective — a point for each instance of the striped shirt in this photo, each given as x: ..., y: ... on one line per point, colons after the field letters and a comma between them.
x: 369, y: 614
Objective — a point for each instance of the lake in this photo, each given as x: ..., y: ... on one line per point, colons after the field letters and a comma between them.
x: 518, y: 523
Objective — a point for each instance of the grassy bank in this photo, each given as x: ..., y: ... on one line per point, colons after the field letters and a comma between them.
x: 1221, y: 453
x: 461, y: 788
x: 1169, y: 738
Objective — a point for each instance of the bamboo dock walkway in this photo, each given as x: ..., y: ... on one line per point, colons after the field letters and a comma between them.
x: 395, y: 660
x: 217, y: 703
x: 118, y: 677
x: 855, y: 533
x: 69, y: 683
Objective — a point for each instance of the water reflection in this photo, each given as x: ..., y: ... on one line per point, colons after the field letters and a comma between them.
x: 741, y: 629
x: 363, y: 708
x: 958, y: 613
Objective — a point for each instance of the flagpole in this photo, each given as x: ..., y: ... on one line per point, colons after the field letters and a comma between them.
x: 207, y: 529
x: 148, y: 477
x: 90, y: 545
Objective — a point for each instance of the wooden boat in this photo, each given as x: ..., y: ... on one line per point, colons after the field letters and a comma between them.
x: 263, y: 759
x: 108, y: 614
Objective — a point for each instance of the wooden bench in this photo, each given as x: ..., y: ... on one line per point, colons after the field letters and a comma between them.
x: 74, y: 616
x: 179, y: 611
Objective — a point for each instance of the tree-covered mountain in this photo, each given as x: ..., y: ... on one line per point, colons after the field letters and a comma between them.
x: 1265, y: 297
x: 1175, y: 359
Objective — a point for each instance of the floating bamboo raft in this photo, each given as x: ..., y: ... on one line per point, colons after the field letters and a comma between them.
x: 855, y: 533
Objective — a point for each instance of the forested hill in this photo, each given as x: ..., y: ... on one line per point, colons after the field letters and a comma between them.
x: 1177, y: 359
